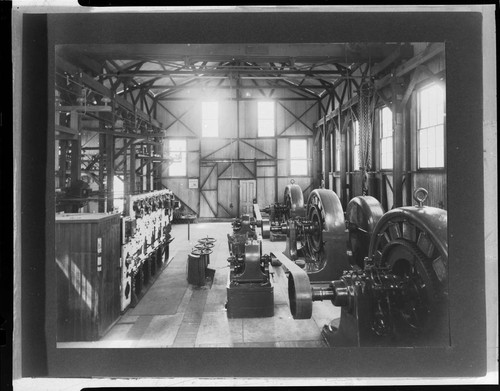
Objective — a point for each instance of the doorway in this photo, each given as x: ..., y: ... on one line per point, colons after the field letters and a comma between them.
x: 248, y: 192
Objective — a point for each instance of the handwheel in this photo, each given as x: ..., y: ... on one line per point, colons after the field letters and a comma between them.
x: 293, y: 199
x: 207, y: 241
x: 326, y: 257
x: 362, y: 214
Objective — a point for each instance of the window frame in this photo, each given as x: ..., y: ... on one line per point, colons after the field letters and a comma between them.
x: 338, y: 150
x: 185, y: 152
x: 381, y: 138
x: 306, y: 159
x: 418, y: 91
x: 355, y: 146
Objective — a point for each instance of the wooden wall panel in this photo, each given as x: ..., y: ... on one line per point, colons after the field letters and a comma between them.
x: 180, y: 188
x: 250, y: 147
x: 228, y: 194
x: 238, y: 171
x: 208, y: 191
x: 248, y: 119
x: 88, y: 298
x: 289, y: 125
x: 228, y: 126
x: 257, y: 149
x: 218, y: 149
x: 435, y: 184
x: 180, y: 119
x: 265, y: 191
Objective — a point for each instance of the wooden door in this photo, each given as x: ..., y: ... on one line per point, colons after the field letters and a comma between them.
x: 248, y: 192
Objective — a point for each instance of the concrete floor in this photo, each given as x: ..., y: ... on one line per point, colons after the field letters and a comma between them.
x: 174, y: 313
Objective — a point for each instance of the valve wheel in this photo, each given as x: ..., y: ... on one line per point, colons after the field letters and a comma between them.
x: 207, y: 241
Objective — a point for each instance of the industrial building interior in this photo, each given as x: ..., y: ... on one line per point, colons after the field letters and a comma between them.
x: 251, y: 195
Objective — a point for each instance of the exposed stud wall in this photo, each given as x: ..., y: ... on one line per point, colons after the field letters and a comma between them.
x: 182, y: 119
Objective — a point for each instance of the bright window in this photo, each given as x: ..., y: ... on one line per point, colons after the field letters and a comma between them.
x: 210, y: 119
x: 118, y: 194
x: 265, y: 119
x: 298, y: 157
x: 356, y: 161
x: 177, y: 150
x: 385, y: 138
x: 337, y: 151
x: 430, y: 128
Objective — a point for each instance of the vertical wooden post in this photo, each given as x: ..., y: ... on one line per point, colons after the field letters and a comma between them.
x: 408, y: 145
x: 343, y: 166
x: 343, y: 158
x: 58, y: 143
x: 76, y: 149
x: 102, y: 162
x: 132, y: 188
x: 276, y: 190
x: 328, y: 156
x: 110, y: 170
x: 62, y: 163
x: 316, y: 156
x: 398, y: 141
x: 126, y: 178
x: 149, y: 162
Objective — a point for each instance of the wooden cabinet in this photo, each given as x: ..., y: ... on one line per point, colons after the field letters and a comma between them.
x: 88, y: 274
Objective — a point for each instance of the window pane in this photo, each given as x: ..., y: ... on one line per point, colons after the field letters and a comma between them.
x: 298, y: 149
x: 177, y: 150
x: 357, y: 165
x: 356, y: 161
x: 386, y: 122
x: 431, y: 127
x: 386, y: 153
x: 298, y: 167
x: 355, y: 126
x: 386, y: 138
x: 337, y: 151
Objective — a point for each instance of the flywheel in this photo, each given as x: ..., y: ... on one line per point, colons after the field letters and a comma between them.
x: 325, y: 251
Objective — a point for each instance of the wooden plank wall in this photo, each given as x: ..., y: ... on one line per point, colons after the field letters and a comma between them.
x: 381, y: 182
x: 88, y: 299
x: 238, y: 152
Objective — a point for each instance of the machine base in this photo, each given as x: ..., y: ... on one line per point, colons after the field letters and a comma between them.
x: 250, y: 301
x: 277, y: 237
